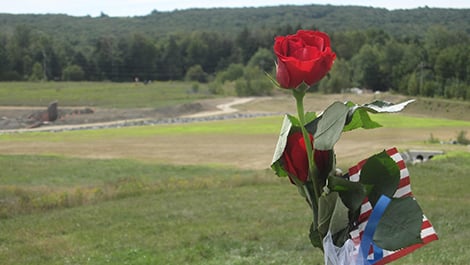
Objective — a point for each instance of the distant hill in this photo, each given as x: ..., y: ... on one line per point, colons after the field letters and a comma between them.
x: 399, y: 23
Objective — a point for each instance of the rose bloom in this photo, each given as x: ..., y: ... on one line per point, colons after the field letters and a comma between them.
x: 295, y: 157
x: 303, y: 57
x: 295, y: 160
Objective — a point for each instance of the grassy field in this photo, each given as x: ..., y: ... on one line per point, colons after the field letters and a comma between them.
x: 199, y: 193
x: 90, y: 211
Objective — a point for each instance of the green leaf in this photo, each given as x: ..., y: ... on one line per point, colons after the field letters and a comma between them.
x: 273, y: 80
x: 281, y: 145
x: 326, y: 206
x: 339, y: 218
x: 294, y: 121
x: 330, y: 126
x: 367, y: 122
x: 312, y: 126
x: 359, y: 118
x: 341, y: 237
x: 282, y: 140
x: 382, y: 173
x: 400, y: 226
x: 279, y: 169
x: 310, y: 116
x: 333, y: 216
x: 352, y: 193
x: 315, y: 237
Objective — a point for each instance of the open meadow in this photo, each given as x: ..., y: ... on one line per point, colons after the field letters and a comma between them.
x: 202, y: 192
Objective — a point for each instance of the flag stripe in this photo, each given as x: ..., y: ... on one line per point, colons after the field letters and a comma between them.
x: 428, y: 233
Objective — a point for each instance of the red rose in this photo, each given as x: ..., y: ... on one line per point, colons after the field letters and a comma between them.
x: 303, y: 57
x: 295, y: 160
x: 295, y: 157
x: 324, y: 163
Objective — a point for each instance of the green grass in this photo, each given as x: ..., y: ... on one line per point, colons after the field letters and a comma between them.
x: 404, y: 121
x: 32, y: 183
x: 242, y: 225
x: 441, y: 187
x: 201, y: 215
x: 100, y: 94
x: 175, y: 215
x: 52, y: 170
x: 263, y: 125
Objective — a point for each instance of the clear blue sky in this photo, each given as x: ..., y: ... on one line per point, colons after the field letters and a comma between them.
x: 144, y: 7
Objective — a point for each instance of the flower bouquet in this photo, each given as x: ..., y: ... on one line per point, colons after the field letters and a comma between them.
x: 368, y: 215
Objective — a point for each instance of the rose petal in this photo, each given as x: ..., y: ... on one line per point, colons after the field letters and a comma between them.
x: 307, y: 53
x: 295, y: 159
x: 314, y: 40
x: 282, y: 74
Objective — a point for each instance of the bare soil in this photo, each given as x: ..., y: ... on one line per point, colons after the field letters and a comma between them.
x: 20, y: 117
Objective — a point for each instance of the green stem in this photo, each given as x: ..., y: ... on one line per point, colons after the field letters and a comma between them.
x: 299, y: 96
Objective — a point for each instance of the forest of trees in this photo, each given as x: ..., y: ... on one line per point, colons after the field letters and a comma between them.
x: 433, y: 61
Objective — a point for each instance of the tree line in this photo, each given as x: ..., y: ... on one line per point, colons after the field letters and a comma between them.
x: 30, y: 54
x: 229, y: 21
x: 434, y: 64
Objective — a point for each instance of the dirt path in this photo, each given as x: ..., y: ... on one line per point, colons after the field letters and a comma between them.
x: 224, y: 108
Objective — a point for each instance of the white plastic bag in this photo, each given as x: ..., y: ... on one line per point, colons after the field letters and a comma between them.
x: 345, y: 255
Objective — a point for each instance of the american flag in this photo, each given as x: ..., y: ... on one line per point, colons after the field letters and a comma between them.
x: 428, y: 233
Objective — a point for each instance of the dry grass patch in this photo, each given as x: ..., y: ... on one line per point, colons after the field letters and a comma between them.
x: 237, y: 150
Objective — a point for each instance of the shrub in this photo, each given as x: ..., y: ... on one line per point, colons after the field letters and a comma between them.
x: 263, y: 59
x: 216, y: 88
x: 196, y: 73
x: 37, y: 72
x: 232, y: 73
x: 462, y: 138
x: 253, y: 83
x: 73, y: 73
